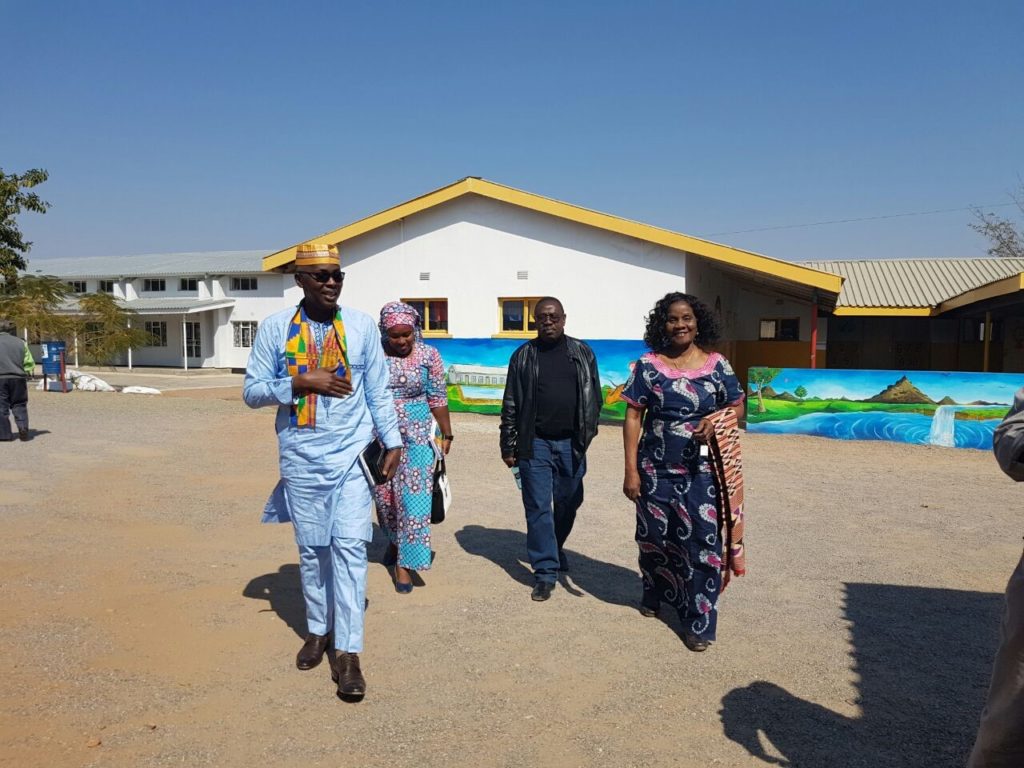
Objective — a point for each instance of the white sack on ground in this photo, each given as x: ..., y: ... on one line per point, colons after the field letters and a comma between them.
x: 89, y: 383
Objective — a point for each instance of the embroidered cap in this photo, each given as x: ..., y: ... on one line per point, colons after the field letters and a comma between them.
x: 317, y: 255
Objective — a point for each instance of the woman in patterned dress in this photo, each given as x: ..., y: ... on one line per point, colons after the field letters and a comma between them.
x: 417, y: 383
x: 669, y: 394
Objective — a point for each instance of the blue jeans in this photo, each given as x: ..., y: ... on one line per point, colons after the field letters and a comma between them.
x: 552, y: 492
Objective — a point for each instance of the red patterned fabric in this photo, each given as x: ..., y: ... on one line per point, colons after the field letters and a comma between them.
x: 728, y: 468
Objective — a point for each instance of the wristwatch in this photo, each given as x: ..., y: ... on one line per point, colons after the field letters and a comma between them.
x: 447, y: 437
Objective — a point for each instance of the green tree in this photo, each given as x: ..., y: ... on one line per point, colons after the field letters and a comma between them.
x: 761, y: 378
x: 1005, y: 236
x: 14, y: 199
x: 104, y: 329
x: 34, y: 303
x: 800, y: 391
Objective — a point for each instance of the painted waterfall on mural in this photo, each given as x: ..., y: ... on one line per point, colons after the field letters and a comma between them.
x: 476, y: 371
x: 952, y: 409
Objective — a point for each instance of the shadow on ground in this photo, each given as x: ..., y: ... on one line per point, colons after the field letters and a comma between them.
x: 283, y: 591
x: 923, y: 657
x: 507, y: 549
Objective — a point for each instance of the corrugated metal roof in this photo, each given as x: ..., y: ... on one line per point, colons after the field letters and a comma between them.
x: 157, y: 306
x: 913, y: 283
x: 178, y: 306
x: 161, y: 264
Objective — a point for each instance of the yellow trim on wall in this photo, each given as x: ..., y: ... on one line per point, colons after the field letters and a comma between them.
x: 781, y: 269
x: 884, y: 311
x: 993, y: 290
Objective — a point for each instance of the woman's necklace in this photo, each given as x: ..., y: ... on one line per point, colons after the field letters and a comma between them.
x: 683, y: 361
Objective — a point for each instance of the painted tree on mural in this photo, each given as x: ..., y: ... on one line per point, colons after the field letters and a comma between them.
x: 800, y: 391
x: 761, y: 378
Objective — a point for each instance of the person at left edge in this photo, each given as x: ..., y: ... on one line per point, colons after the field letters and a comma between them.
x: 322, y: 366
x: 16, y: 364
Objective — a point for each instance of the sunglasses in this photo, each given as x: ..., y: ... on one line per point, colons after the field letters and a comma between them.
x: 323, y: 275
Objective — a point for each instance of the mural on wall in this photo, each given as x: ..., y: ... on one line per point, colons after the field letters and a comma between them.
x: 952, y: 409
x: 477, y: 367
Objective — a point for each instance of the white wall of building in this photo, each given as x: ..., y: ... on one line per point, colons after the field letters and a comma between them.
x: 474, y: 248
x: 275, y: 292
x: 744, y: 304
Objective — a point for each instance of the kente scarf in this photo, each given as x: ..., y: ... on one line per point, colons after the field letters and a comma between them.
x: 301, y: 355
x: 727, y: 466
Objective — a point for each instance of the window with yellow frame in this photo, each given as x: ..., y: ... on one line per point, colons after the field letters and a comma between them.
x: 434, y: 313
x: 517, y: 315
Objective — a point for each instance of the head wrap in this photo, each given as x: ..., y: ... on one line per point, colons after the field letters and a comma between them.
x: 317, y: 255
x: 399, y: 313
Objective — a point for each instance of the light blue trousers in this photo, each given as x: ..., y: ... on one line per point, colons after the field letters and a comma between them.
x: 334, y: 586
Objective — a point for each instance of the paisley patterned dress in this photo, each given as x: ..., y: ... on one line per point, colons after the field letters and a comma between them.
x: 417, y: 383
x: 676, y: 515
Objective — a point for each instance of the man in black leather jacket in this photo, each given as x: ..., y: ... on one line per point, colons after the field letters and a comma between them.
x: 549, y: 415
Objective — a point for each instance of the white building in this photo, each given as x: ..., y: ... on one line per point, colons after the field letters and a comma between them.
x: 477, y: 374
x: 202, y: 309
x: 475, y: 257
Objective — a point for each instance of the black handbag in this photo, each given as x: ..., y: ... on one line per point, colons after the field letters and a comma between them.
x: 442, y: 495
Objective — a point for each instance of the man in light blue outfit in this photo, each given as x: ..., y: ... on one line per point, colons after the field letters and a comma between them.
x: 323, y: 367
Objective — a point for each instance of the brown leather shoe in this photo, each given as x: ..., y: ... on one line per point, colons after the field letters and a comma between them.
x: 346, y: 673
x: 312, y: 651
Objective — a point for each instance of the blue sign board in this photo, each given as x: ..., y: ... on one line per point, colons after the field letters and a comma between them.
x: 53, y: 356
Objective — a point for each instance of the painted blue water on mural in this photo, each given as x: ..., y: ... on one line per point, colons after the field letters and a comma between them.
x: 880, y: 425
x: 482, y: 393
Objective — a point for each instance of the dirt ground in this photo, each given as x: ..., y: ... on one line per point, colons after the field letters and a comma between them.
x: 150, y: 620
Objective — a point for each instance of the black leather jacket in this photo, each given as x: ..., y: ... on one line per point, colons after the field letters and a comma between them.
x: 519, y: 409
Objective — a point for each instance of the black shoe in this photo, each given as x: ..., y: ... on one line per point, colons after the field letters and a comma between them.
x: 346, y: 673
x: 23, y: 434
x: 563, y: 562
x: 312, y: 651
x: 695, y: 643
x: 649, y: 604
x: 542, y: 591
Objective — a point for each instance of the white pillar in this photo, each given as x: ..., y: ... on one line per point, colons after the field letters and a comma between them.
x: 76, y: 350
x: 129, y: 348
x: 184, y: 345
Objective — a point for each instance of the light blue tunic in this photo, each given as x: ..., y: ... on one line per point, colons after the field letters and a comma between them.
x: 322, y: 489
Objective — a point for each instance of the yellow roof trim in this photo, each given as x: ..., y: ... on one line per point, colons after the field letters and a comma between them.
x: 1007, y: 285
x: 884, y: 311
x: 782, y: 269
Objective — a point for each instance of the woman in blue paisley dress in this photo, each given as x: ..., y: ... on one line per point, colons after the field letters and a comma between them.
x: 417, y: 383
x: 671, y: 390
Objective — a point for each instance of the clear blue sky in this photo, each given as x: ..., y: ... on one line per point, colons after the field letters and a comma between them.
x: 180, y: 126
